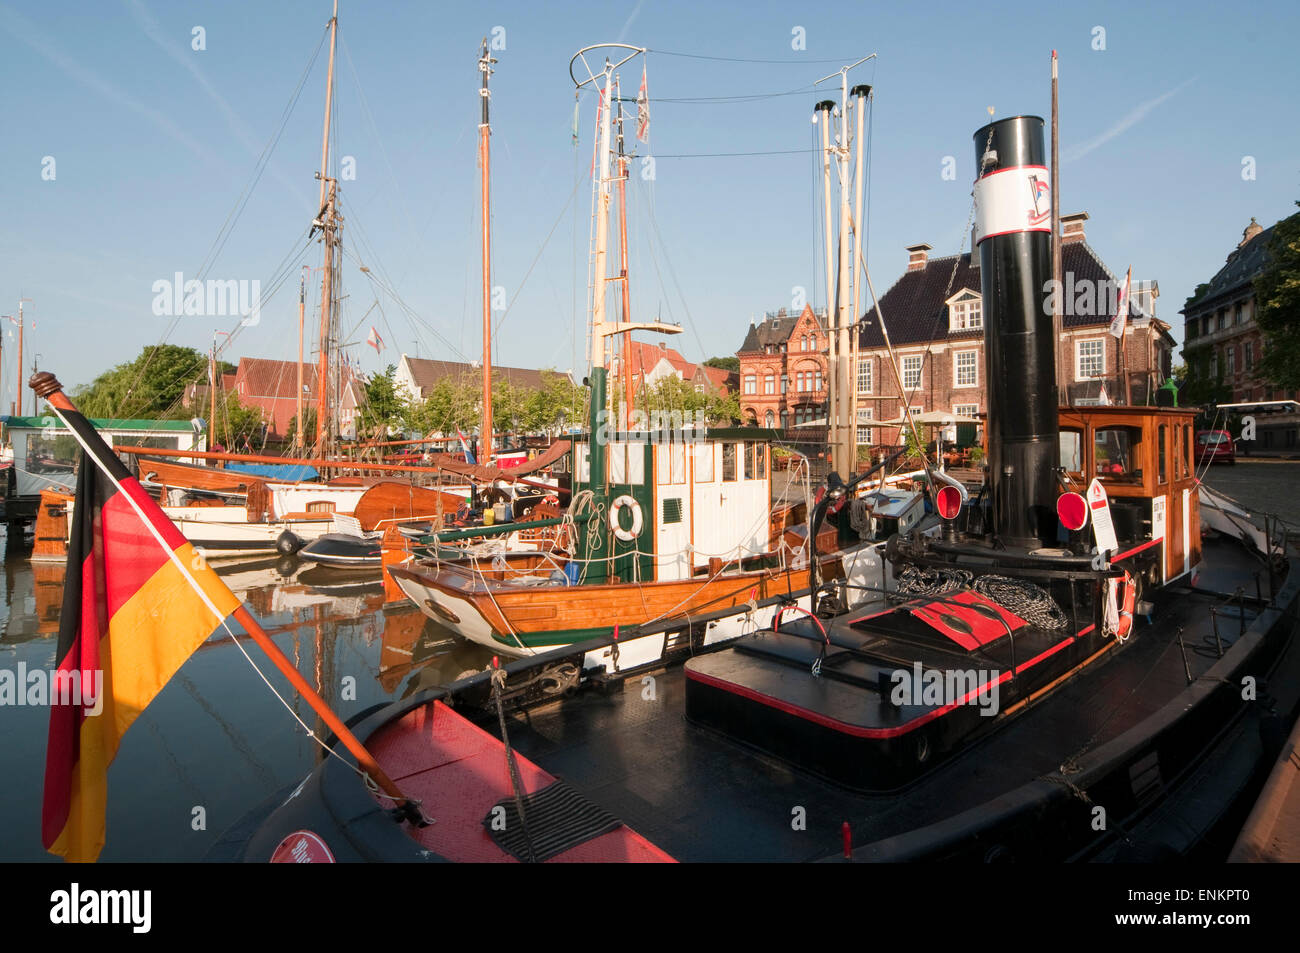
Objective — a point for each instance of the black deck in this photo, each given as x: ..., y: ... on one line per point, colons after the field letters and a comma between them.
x: 703, y: 796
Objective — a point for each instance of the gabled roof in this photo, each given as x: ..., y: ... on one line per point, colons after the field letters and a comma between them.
x: 426, y: 372
x: 1241, y: 269
x: 773, y: 330
x: 278, y: 380
x: 914, y: 308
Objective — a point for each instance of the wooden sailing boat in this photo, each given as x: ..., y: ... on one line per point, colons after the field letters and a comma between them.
x: 662, y: 523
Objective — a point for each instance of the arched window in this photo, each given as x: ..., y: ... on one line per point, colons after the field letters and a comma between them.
x: 770, y: 419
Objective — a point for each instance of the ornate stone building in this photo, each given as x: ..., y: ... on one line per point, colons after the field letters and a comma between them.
x: 1221, y: 342
x: 783, y: 370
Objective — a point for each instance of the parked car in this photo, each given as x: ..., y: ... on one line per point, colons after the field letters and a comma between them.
x: 1215, y: 446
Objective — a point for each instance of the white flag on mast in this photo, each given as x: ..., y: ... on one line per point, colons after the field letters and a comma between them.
x: 643, y: 110
x: 375, y: 340
x: 1121, y: 312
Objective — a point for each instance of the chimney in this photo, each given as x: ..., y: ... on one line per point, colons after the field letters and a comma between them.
x: 1072, y: 227
x: 1248, y: 234
x: 917, y: 255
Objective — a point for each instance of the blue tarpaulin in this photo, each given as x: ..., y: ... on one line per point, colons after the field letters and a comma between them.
x: 276, y: 471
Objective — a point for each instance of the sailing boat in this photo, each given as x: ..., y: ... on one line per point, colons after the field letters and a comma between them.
x: 663, y: 524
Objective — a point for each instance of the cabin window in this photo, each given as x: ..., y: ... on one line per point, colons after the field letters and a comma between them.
x: 618, y: 463
x: 584, y: 463
x: 754, y: 462
x: 1160, y: 453
x: 636, y: 463
x: 704, y: 463
x: 1187, y: 450
x: 1116, y: 454
x: 728, y: 462
x: 320, y: 506
x: 1072, y: 451
x: 677, y: 461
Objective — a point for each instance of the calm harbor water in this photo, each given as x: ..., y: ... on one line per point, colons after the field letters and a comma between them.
x: 216, y: 738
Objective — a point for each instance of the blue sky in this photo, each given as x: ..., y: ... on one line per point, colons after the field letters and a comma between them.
x: 154, y: 143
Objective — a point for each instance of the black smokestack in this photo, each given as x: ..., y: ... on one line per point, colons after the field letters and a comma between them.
x: 1013, y: 231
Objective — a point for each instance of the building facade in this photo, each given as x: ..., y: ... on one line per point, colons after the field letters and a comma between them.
x: 935, y: 317
x: 783, y: 360
x: 1222, y: 344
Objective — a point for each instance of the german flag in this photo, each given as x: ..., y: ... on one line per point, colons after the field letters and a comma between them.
x: 137, y: 601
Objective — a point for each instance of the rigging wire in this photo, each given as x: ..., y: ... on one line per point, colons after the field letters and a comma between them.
x: 232, y: 218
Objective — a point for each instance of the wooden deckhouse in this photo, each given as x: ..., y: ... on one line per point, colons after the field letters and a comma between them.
x: 1144, y: 458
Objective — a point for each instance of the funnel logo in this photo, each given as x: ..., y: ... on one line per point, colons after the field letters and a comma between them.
x: 1040, y: 198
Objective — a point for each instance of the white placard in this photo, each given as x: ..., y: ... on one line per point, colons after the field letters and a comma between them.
x: 1103, y: 529
x: 1013, y: 200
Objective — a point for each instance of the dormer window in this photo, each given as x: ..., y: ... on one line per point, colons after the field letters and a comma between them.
x: 965, y: 311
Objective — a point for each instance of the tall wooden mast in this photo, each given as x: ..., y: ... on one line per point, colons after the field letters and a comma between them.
x: 484, y: 134
x: 299, y: 438
x: 622, y: 266
x: 327, y: 226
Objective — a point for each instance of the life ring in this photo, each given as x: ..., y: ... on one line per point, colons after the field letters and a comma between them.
x: 1122, y: 613
x: 626, y: 535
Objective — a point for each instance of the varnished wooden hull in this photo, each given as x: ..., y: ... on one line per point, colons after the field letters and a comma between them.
x: 528, y: 619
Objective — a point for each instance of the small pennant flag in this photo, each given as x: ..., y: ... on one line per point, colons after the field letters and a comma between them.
x: 575, y: 118
x: 464, y: 446
x: 643, y: 110
x: 1121, y: 312
x: 375, y: 340
x: 1102, y: 399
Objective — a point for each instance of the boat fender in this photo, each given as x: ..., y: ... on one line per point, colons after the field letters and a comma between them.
x: 286, y: 544
x: 1120, y: 616
x: 626, y: 535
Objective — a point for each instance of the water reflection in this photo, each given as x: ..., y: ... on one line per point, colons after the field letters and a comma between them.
x: 216, y: 742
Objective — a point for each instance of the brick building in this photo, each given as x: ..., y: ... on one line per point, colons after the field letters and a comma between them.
x: 783, y: 379
x: 935, y: 318
x: 1221, y: 342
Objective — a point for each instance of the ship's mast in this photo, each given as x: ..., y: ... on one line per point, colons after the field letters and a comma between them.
x: 327, y: 225
x: 21, y: 328
x: 840, y: 406
x: 484, y: 134
x: 622, y: 265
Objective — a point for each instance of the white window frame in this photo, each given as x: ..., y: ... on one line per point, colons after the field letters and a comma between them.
x: 960, y: 308
x: 957, y: 368
x: 909, y: 371
x: 1079, y: 375
x: 865, y: 372
x: 866, y: 435
x: 751, y: 384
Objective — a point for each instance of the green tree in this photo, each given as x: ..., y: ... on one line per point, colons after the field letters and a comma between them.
x: 726, y: 363
x: 152, y: 385
x: 1277, y: 305
x: 384, y: 406
x: 237, y: 423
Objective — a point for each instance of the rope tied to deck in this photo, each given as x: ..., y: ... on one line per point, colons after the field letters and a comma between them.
x: 512, y: 767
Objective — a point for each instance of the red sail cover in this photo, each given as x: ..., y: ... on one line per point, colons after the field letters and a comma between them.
x: 137, y: 601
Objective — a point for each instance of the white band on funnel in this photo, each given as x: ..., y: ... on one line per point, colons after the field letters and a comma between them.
x: 1011, y: 200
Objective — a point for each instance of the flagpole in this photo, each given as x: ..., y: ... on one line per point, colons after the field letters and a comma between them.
x: 46, y: 386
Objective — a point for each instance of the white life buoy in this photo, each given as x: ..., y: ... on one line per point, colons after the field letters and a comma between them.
x: 626, y: 535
